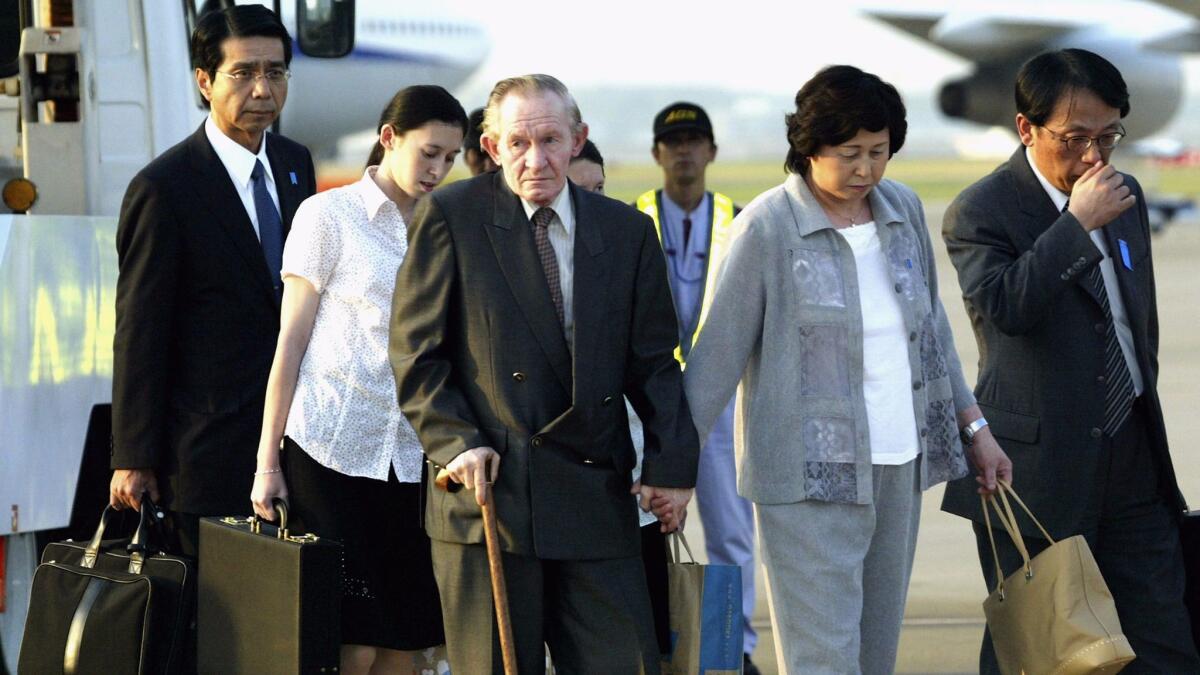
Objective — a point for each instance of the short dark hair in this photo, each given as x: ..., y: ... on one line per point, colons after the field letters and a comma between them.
x: 474, y: 131
x: 837, y: 103
x: 1047, y: 77
x: 413, y: 107
x: 215, y: 27
x: 591, y: 153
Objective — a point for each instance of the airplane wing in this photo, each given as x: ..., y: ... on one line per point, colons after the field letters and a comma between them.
x: 1186, y: 40
x: 1189, y: 7
x: 977, y: 36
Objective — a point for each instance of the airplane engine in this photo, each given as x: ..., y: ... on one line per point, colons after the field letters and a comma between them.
x: 1155, y: 83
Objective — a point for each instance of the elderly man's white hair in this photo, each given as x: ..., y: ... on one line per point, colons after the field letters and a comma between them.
x: 526, y: 84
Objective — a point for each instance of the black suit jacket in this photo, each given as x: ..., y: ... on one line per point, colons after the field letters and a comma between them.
x: 480, y: 360
x: 1024, y: 271
x: 196, y: 323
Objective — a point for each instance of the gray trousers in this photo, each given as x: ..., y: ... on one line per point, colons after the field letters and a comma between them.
x: 837, y: 576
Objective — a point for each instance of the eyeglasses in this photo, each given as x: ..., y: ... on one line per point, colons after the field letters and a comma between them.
x: 245, y: 76
x: 1080, y: 144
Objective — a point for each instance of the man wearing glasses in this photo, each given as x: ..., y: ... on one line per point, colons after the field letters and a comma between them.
x: 200, y: 242
x: 1053, y: 256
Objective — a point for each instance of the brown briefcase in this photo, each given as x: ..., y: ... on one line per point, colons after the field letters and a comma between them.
x: 269, y: 600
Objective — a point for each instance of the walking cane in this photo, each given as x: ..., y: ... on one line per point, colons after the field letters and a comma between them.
x: 495, y: 570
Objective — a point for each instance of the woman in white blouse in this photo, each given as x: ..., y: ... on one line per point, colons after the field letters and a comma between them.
x: 351, y: 468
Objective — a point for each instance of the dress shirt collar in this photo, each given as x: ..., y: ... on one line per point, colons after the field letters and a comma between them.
x: 372, y: 195
x: 676, y: 214
x: 562, y: 209
x: 1057, y: 196
x: 810, y: 215
x: 237, y: 160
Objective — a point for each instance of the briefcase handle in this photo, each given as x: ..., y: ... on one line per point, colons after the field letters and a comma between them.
x: 149, y: 512
x: 281, y: 510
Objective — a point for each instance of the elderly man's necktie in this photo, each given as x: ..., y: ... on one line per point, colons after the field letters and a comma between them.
x: 270, y: 227
x: 541, y: 238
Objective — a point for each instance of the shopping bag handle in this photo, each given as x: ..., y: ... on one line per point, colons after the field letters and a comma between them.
x: 1008, y: 519
x: 677, y: 538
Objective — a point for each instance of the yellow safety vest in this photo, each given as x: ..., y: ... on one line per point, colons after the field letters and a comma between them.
x: 718, y: 247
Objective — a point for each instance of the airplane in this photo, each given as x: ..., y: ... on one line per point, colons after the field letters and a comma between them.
x: 395, y: 45
x: 1145, y: 40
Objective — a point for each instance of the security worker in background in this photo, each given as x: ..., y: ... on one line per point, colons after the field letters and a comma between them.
x: 694, y: 226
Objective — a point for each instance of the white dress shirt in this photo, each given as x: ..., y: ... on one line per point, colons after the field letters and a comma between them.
x: 887, y: 374
x: 561, y: 232
x: 1115, y: 304
x: 348, y: 243
x: 239, y: 162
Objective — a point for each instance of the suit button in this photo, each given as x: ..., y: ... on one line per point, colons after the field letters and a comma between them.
x: 1096, y: 432
x: 1099, y: 328
x: 924, y: 432
x: 606, y: 401
x: 899, y: 288
x: 912, y: 337
x: 537, y: 441
x: 917, y: 385
x: 1100, y: 379
x: 519, y: 376
x: 1064, y: 276
x: 1081, y: 262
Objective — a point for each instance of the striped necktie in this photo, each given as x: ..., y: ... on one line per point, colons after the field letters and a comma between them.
x: 1118, y: 393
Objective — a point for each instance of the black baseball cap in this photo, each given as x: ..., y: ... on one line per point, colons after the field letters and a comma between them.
x: 682, y: 116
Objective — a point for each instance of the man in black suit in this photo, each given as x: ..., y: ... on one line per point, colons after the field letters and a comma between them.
x: 524, y: 309
x: 1053, y: 256
x: 199, y: 242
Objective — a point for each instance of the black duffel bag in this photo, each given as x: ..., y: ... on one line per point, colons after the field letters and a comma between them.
x: 270, y: 599
x: 108, y: 607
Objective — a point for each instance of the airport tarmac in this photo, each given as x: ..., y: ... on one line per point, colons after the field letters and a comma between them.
x: 943, y: 621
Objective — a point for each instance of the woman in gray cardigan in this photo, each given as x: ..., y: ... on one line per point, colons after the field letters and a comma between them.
x: 851, y: 398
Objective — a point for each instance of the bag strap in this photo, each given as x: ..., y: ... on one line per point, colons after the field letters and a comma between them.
x: 1005, y: 486
x: 987, y: 520
x: 677, y: 538
x: 93, y: 548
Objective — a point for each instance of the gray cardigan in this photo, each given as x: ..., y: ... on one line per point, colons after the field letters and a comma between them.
x: 785, y: 321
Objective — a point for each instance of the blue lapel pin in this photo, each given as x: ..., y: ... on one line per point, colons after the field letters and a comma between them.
x: 908, y: 263
x: 292, y: 175
x: 1125, y: 259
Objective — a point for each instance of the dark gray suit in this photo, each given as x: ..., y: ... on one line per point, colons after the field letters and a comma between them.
x: 481, y: 360
x: 196, y: 323
x: 1024, y: 269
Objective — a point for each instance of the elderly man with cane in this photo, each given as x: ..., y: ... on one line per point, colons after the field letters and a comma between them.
x: 529, y: 308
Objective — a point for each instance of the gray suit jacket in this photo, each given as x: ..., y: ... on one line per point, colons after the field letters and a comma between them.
x: 480, y: 360
x: 1024, y: 272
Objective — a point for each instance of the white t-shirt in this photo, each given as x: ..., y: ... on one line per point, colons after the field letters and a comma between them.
x: 887, y: 375
x: 348, y: 243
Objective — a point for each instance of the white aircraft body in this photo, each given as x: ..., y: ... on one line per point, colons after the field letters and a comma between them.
x: 1145, y: 40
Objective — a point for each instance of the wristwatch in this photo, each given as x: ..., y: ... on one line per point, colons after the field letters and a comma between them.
x: 969, y: 431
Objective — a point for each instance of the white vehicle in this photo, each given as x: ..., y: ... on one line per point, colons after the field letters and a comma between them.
x: 100, y: 88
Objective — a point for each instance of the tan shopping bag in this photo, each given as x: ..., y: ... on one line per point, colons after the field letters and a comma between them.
x: 1055, y: 615
x: 706, y: 616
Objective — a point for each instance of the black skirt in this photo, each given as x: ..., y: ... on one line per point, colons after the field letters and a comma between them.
x: 389, y: 596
